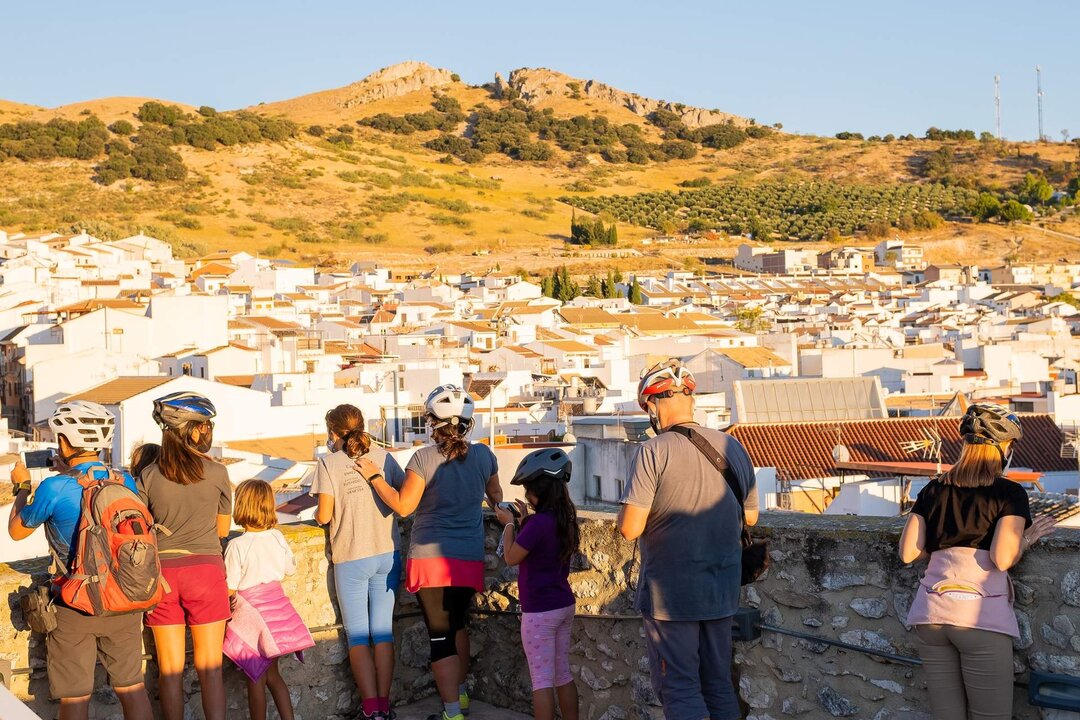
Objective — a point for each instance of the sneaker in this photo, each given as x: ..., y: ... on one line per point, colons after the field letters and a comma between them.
x: 444, y: 716
x: 464, y: 700
x: 377, y: 715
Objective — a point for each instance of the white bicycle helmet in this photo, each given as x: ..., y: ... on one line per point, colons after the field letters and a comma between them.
x: 84, y: 424
x: 449, y: 405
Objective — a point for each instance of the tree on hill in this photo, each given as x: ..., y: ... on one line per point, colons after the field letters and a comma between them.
x: 155, y: 112
x: 752, y: 320
x: 122, y: 127
x: 1035, y: 189
x: 610, y: 285
x: 559, y: 285
x: 593, y: 289
x: 986, y: 206
x: 594, y: 232
x: 1013, y: 211
x: 635, y: 293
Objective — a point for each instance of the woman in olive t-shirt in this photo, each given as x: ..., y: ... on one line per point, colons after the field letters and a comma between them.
x: 191, y: 497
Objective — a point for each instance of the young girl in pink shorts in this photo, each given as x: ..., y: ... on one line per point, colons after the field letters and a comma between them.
x: 543, y: 547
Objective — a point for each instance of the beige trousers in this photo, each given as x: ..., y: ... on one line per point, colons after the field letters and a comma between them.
x: 969, y: 672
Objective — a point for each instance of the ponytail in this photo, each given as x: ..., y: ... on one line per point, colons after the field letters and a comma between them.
x: 356, y: 442
x: 346, y: 422
x: 451, y: 440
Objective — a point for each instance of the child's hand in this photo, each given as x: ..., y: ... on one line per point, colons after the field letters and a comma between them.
x: 523, y: 508
x: 504, y: 516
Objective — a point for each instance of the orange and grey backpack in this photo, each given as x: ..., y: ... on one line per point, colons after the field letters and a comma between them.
x: 114, y: 566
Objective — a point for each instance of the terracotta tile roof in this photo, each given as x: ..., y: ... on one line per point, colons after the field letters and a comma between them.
x: 119, y: 390
x: 524, y: 351
x: 236, y: 380
x: 214, y: 268
x: 753, y: 357
x: 569, y: 346
x: 480, y: 389
x: 804, y: 449
x: 85, y: 306
x: 588, y: 316
x: 1060, y: 507
x: 269, y: 323
x: 300, y: 448
x: 477, y: 327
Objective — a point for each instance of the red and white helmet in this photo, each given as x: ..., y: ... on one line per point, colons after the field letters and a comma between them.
x: 664, y: 380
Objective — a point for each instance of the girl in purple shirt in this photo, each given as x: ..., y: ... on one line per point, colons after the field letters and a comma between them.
x: 543, y: 544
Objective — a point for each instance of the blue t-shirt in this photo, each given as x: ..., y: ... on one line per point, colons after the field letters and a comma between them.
x: 449, y: 520
x: 57, y: 504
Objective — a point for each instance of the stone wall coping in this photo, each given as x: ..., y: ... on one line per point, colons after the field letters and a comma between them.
x: 771, y: 523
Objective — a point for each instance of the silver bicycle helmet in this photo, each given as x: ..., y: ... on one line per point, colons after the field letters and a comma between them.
x: 176, y: 409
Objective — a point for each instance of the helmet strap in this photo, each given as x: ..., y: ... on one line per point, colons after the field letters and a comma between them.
x: 1006, y: 459
x: 76, y: 453
x: 654, y: 418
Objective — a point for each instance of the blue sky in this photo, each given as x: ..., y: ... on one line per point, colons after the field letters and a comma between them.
x: 821, y: 67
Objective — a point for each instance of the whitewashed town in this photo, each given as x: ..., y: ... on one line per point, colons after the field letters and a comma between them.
x: 845, y: 374
x: 843, y: 345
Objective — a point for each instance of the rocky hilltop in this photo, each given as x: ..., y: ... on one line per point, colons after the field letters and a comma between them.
x: 535, y: 85
x: 394, y: 81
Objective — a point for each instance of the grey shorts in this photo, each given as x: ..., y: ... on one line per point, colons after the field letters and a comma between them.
x: 79, y: 641
x: 690, y: 664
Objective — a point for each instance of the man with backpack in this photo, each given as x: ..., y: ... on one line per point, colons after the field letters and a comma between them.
x: 80, y: 637
x: 687, y: 513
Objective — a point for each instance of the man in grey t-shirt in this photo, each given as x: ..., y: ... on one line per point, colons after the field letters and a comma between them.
x: 691, y: 556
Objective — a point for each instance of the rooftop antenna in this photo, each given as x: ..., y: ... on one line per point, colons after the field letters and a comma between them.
x: 929, y: 446
x: 997, y: 104
x: 1039, y: 96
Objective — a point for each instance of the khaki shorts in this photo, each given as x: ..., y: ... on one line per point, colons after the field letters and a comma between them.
x: 79, y: 641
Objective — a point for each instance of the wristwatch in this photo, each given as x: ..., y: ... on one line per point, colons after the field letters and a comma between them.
x: 24, y: 485
x: 371, y: 479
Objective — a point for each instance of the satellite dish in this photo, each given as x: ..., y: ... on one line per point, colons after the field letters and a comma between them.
x: 840, y: 454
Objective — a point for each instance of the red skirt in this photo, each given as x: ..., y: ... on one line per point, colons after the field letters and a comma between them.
x: 443, y: 572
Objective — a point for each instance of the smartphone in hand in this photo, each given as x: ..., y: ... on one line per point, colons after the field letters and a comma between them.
x: 511, y: 508
x: 38, y: 458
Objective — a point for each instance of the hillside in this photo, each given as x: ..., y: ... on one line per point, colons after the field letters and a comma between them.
x: 332, y: 189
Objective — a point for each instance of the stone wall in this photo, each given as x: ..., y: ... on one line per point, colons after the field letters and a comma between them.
x: 837, y: 577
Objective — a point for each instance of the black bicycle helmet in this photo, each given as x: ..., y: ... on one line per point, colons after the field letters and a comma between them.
x: 550, y: 463
x: 989, y: 424
x: 178, y: 408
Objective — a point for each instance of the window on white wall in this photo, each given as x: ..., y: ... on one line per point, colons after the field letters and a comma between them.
x: 597, y: 486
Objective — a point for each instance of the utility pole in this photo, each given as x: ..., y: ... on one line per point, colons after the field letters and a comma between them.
x: 997, y: 104
x: 1039, y: 97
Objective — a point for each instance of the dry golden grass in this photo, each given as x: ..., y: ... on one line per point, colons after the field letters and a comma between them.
x: 289, y: 199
